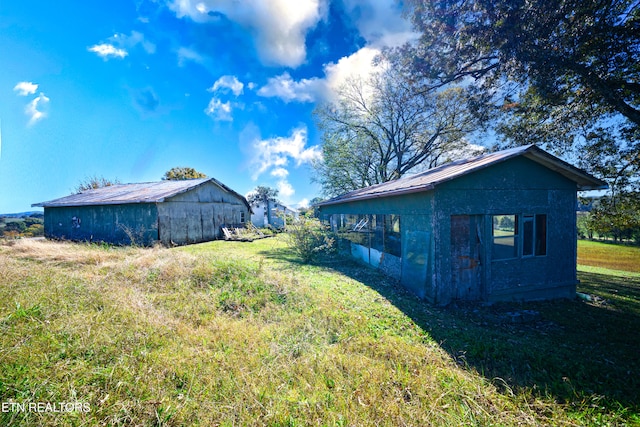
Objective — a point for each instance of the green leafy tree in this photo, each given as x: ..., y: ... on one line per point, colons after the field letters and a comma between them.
x: 384, y: 127
x: 262, y: 194
x: 617, y: 217
x: 93, y: 182
x: 29, y: 221
x: 34, y: 230
x: 561, y: 73
x: 182, y: 173
x: 565, y: 51
x: 18, y: 226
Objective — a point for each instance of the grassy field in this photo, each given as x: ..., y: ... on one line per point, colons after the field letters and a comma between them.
x: 231, y: 334
x: 609, y: 255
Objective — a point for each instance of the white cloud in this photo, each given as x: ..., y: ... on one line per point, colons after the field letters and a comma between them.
x: 358, y: 65
x: 279, y: 27
x: 26, y: 88
x: 285, y: 88
x: 218, y: 110
x: 226, y: 83
x: 275, y: 153
x: 132, y: 40
x: 380, y: 22
x: 187, y: 54
x: 285, y: 189
x: 34, y: 109
x: 280, y: 173
x: 107, y: 51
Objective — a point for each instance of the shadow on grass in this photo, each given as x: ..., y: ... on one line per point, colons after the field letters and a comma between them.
x: 584, y: 353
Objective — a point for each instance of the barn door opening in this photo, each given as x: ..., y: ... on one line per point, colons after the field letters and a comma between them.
x: 466, y: 265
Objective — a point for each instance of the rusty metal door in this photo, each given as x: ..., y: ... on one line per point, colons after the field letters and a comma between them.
x: 466, y: 265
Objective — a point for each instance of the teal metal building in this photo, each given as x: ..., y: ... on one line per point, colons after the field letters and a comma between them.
x: 497, y: 227
x: 169, y: 212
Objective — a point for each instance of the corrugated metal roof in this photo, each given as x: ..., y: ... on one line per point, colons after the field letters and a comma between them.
x: 146, y: 192
x: 426, y: 181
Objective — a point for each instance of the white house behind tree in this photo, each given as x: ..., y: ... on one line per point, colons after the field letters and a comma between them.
x: 273, y: 214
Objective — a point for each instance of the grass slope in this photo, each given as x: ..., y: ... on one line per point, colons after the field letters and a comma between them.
x: 229, y: 334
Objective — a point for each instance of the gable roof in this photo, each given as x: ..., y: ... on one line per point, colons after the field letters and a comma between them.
x: 146, y: 192
x: 428, y: 180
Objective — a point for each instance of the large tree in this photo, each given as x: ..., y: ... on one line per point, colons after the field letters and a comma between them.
x: 563, y: 73
x: 262, y: 194
x: 565, y: 50
x: 385, y: 127
x: 182, y: 173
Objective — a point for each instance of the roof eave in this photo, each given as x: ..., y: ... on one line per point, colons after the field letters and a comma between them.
x: 583, y: 179
x: 71, y: 205
x: 377, y: 195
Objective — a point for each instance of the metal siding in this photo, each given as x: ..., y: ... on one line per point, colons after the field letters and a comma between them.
x: 192, y: 222
x: 102, y: 223
x: 208, y: 225
x: 518, y: 185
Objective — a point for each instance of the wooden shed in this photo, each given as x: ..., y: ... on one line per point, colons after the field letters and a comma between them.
x: 170, y: 212
x: 501, y: 226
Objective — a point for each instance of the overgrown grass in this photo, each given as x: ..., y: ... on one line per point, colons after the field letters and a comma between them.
x: 609, y: 255
x: 229, y: 333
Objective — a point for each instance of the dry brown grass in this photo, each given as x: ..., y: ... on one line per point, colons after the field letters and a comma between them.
x: 226, y: 334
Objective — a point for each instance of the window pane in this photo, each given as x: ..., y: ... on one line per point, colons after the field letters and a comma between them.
x: 377, y: 227
x: 392, y: 235
x: 505, y: 236
x: 527, y: 235
x: 505, y: 225
x: 541, y: 235
x: 355, y: 228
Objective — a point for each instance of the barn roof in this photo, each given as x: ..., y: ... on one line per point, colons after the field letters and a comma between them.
x: 428, y: 180
x: 145, y: 192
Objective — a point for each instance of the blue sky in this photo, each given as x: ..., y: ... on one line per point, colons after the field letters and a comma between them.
x: 130, y: 89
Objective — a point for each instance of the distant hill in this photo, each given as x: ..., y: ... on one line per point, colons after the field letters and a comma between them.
x: 23, y: 214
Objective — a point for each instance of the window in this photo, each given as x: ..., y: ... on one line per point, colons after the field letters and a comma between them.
x: 541, y: 235
x: 241, y: 217
x: 377, y: 232
x: 534, y: 239
x: 380, y: 232
x: 392, y: 240
x: 527, y: 235
x: 505, y: 236
x: 506, y: 233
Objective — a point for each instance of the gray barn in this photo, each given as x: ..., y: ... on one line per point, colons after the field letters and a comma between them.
x: 501, y: 226
x: 170, y: 212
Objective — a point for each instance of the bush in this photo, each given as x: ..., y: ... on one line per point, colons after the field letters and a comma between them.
x: 34, y: 230
x: 308, y: 238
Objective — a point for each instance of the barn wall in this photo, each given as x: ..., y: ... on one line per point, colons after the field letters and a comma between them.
x: 115, y: 224
x: 197, y: 215
x: 416, y: 226
x: 517, y: 186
